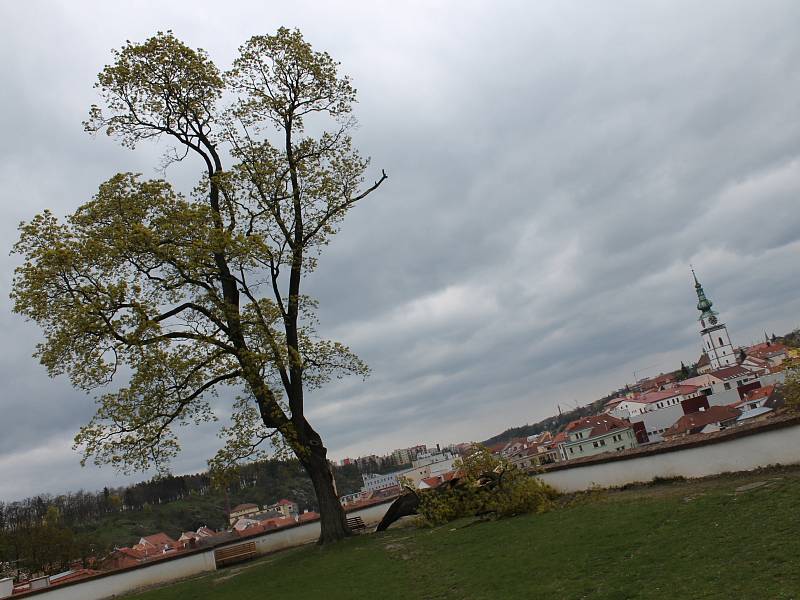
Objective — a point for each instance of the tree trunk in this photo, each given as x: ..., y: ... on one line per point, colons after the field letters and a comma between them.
x: 333, y: 524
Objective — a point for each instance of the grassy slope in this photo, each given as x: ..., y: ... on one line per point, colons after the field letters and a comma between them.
x: 674, y: 540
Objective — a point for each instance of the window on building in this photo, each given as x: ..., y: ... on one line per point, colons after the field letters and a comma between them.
x: 727, y: 385
x: 721, y: 343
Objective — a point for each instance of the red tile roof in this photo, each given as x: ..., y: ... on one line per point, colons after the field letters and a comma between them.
x: 698, y: 420
x: 159, y: 540
x: 730, y: 373
x: 432, y: 481
x: 599, y: 424
x: 678, y: 390
x: 131, y: 553
x: 766, y: 349
x: 307, y: 516
x: 758, y: 393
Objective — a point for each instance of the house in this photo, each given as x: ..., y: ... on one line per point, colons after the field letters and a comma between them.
x: 659, y: 409
x: 308, y: 515
x: 121, y: 558
x: 375, y: 481
x: 286, y: 507
x: 714, y: 418
x: 536, y: 455
x: 158, y: 543
x: 772, y: 352
x: 703, y: 364
x: 595, y: 435
x: 242, y: 510
x: 206, y: 532
x: 626, y: 407
x: 729, y: 378
x: 263, y: 521
x: 514, y: 446
x: 190, y: 539
x: 253, y: 520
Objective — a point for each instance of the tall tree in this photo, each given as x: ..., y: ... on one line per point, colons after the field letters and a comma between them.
x: 182, y: 295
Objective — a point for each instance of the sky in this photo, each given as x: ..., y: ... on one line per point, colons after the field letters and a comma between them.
x: 554, y: 169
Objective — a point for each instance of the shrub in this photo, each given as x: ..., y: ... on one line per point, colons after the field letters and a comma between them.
x: 487, y: 485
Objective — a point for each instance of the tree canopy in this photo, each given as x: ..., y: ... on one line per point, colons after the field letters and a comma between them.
x: 180, y: 294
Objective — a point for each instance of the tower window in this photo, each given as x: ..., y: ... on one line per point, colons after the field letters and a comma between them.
x: 721, y: 343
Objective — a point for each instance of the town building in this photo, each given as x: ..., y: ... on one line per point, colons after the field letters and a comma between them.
x: 158, y: 543
x: 377, y: 481
x: 705, y: 421
x: 716, y: 341
x: 242, y: 510
x: 285, y: 507
x: 595, y: 435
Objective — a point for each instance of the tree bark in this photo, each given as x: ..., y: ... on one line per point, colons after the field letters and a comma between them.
x: 333, y: 523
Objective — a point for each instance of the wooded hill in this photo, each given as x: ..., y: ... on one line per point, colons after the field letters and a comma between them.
x: 552, y: 424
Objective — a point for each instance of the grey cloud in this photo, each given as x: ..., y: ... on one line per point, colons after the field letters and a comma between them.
x: 554, y: 167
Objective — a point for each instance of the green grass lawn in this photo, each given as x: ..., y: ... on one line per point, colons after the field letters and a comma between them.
x: 699, y: 539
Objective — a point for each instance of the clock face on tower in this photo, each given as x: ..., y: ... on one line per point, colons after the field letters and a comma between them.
x: 712, y: 319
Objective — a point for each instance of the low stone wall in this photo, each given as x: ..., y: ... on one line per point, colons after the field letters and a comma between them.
x: 744, y: 448
x: 112, y: 584
x: 192, y: 562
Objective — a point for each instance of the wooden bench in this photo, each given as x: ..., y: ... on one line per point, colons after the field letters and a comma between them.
x: 235, y: 554
x: 356, y: 523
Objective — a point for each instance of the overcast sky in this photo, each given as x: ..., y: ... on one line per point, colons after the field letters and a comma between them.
x: 554, y: 169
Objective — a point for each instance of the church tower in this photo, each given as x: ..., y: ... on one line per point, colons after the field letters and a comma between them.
x: 716, y: 341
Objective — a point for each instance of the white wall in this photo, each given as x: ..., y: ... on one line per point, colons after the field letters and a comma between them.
x: 658, y: 419
x: 126, y: 581
x: 776, y: 446
x: 6, y: 587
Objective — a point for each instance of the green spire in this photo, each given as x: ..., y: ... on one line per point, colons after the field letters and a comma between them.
x: 703, y: 303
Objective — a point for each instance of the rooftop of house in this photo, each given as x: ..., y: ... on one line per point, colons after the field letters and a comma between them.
x: 697, y: 420
x: 130, y: 552
x: 285, y: 502
x: 241, y: 507
x: 758, y: 393
x: 728, y: 373
x: 158, y: 540
x: 765, y: 349
x: 658, y: 396
x: 754, y: 412
x: 599, y: 425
